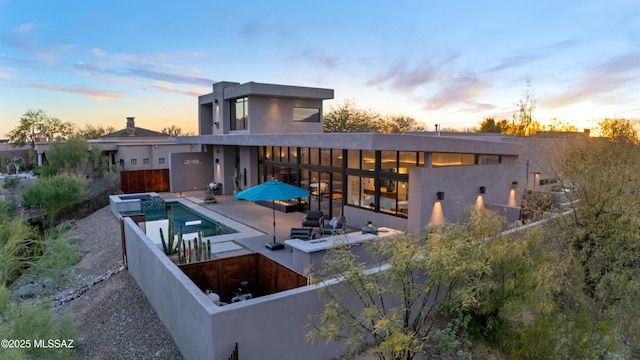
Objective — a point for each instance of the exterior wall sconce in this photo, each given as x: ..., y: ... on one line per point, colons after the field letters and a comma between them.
x: 217, y: 124
x: 514, y: 184
x: 215, y: 101
x: 217, y: 160
x: 483, y: 189
x: 440, y: 195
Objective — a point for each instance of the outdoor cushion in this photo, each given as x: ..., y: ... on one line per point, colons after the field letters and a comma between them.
x: 313, y: 219
x: 334, y: 222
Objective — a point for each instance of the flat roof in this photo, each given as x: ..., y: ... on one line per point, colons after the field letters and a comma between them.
x: 365, y: 141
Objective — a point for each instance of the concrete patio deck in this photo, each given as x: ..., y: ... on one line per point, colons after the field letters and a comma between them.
x: 255, y: 216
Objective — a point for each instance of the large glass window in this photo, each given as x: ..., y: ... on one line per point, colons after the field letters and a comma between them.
x: 306, y: 114
x: 452, y: 159
x: 407, y: 159
x: 304, y: 155
x: 394, y: 197
x: 325, y: 157
x: 368, y: 160
x: 239, y: 113
x: 353, y: 161
x: 389, y: 161
x: 488, y: 159
x: 293, y: 154
x: 336, y: 160
x: 314, y: 154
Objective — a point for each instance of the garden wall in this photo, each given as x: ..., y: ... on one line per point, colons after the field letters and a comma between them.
x: 269, y: 327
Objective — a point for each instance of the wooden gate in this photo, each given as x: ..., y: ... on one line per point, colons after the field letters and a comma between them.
x: 144, y: 181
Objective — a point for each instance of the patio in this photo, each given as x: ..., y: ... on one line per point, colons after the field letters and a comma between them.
x: 203, y: 329
x: 257, y: 217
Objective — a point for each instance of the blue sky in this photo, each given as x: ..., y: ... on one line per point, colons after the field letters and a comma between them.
x: 441, y: 62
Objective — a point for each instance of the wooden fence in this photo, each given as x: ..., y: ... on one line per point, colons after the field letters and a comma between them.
x: 144, y: 181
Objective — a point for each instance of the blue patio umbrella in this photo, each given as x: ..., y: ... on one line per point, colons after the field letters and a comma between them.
x: 271, y: 191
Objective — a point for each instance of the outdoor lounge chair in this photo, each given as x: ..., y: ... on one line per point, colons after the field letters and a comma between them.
x: 313, y: 219
x: 334, y: 227
x: 301, y: 233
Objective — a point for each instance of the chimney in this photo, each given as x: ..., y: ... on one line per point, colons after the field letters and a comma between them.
x: 131, y: 126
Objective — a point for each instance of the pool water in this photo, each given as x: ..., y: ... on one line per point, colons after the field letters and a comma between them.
x: 191, y: 222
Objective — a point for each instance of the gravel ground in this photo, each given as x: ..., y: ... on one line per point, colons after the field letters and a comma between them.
x: 113, y: 318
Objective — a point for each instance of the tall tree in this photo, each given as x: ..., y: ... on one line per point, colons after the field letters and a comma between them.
x: 172, y: 131
x: 36, y: 124
x: 465, y: 268
x: 490, y: 125
x: 349, y: 118
x: 619, y: 130
x: 524, y: 123
x: 399, y: 124
x: 94, y: 132
x: 601, y: 233
x: 557, y: 125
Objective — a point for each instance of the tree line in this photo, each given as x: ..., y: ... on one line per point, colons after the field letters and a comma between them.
x: 36, y: 125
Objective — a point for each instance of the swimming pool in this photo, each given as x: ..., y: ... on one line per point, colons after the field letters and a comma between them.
x: 191, y: 221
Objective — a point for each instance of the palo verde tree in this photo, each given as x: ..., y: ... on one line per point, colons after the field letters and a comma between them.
x: 467, y: 269
x: 601, y: 234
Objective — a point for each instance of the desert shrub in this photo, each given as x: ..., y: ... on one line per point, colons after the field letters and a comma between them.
x: 33, y: 322
x: 55, y: 193
x: 59, y: 253
x: 19, y: 248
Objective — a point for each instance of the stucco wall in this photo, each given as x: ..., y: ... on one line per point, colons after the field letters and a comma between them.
x: 180, y: 305
x: 275, y: 116
x: 194, y: 175
x: 460, y: 185
x: 151, y: 152
x: 269, y: 327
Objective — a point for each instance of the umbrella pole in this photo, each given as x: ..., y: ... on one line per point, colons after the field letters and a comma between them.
x: 275, y: 245
x: 273, y: 206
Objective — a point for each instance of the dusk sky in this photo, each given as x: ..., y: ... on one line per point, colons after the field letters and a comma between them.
x: 442, y: 62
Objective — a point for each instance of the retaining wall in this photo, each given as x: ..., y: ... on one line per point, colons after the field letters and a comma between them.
x: 269, y: 327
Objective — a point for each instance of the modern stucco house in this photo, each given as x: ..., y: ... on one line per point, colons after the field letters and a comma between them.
x: 403, y: 181
x: 263, y: 131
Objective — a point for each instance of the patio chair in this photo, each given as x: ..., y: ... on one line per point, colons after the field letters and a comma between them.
x: 313, y: 219
x: 301, y: 233
x: 335, y: 226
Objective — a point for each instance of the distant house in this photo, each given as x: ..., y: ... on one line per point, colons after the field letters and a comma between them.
x: 12, y: 157
x: 135, y: 148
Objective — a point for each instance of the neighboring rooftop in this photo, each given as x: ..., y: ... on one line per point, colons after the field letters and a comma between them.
x: 133, y: 131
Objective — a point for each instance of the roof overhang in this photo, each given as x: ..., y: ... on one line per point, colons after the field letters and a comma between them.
x: 364, y: 141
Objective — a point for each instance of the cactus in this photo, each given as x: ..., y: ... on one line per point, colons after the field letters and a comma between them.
x: 236, y: 178
x: 170, y: 246
x: 197, y: 247
x: 181, y: 252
